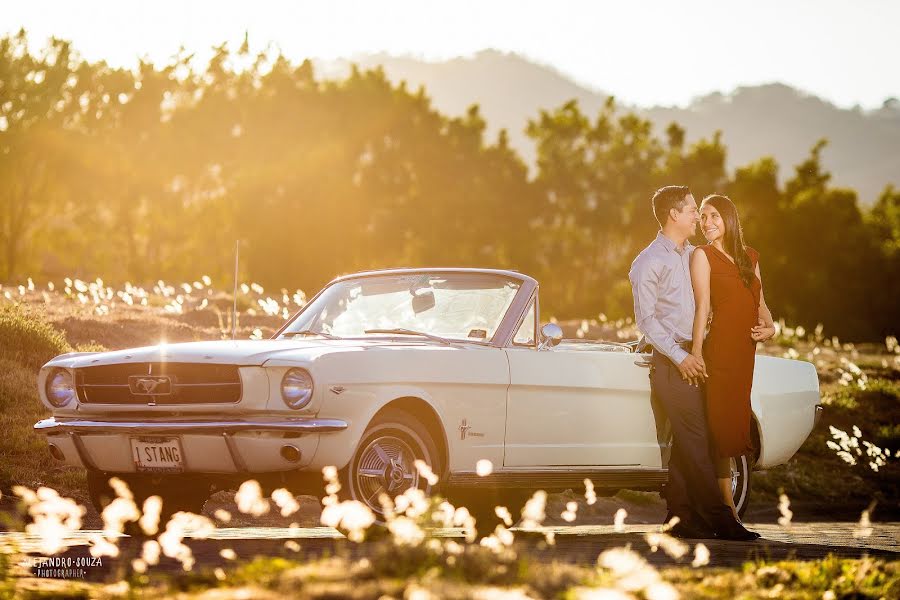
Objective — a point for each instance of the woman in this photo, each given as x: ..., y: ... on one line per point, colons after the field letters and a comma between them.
x: 727, y: 283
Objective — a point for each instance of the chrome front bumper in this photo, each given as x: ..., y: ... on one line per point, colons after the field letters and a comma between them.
x: 78, y: 434
x: 52, y: 426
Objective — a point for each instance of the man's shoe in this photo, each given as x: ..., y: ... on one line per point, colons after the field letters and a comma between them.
x: 692, y: 531
x: 737, y: 533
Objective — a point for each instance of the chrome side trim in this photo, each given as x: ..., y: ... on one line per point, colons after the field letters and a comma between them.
x: 559, y: 479
x: 52, y: 426
x: 174, y: 385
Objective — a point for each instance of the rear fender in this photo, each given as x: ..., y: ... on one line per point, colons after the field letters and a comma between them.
x: 784, y: 399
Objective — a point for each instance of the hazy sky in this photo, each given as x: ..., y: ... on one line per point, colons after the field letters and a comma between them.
x: 645, y: 52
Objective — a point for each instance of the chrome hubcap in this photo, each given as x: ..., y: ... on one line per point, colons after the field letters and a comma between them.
x: 386, y: 465
x: 734, y: 476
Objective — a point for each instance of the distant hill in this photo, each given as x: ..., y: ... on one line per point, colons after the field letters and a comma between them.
x: 774, y: 119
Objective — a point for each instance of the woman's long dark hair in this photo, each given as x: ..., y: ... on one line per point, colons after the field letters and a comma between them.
x: 734, y: 235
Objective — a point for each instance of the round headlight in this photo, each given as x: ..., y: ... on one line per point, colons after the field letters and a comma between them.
x: 60, y: 388
x: 297, y: 388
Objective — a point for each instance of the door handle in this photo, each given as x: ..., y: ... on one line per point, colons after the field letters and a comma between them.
x: 643, y: 362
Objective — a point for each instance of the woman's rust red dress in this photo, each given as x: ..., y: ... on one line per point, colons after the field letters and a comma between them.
x: 729, y: 352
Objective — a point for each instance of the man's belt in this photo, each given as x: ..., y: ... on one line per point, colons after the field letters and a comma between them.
x: 686, y: 346
x: 645, y: 346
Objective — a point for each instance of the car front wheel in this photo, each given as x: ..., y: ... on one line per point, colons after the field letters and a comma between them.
x: 384, y: 462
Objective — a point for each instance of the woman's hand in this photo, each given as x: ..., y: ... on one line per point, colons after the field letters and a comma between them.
x: 762, y: 332
x: 693, y: 369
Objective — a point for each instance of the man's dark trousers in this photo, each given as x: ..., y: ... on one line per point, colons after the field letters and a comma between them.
x: 692, y: 490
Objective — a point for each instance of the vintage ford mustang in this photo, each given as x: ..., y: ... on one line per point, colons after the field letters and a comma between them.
x: 382, y: 368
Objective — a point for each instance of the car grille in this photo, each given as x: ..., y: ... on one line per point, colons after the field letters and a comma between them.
x: 188, y: 383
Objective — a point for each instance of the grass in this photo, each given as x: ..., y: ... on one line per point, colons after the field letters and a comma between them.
x: 24, y: 458
x: 479, y: 572
x: 27, y: 338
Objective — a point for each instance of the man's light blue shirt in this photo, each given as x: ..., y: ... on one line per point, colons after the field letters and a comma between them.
x: 663, y: 295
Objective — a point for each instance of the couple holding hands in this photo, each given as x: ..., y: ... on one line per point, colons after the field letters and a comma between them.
x: 703, y: 311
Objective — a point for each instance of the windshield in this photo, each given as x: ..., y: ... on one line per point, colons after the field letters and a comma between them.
x: 462, y: 306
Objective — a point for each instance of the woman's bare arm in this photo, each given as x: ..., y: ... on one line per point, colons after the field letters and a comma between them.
x: 700, y: 273
x: 765, y: 328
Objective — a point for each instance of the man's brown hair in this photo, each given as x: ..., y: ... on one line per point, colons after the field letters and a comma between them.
x: 667, y: 198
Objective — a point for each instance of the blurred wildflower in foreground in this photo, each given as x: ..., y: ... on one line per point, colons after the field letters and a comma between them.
x: 670, y: 545
x: 619, y: 520
x: 178, y: 526
x: 150, y: 552
x: 504, y: 515
x: 53, y: 517
x: 784, y: 507
x: 115, y: 515
x: 350, y: 515
x: 864, y: 527
x: 149, y: 520
x: 228, y: 554
x: 285, y: 501
x: 533, y: 512
x: 250, y: 500
x: 634, y: 574
x: 500, y: 542
x: 425, y: 471
x: 222, y: 515
x: 533, y: 515
x: 701, y: 556
x: 589, y: 494
x: 571, y: 512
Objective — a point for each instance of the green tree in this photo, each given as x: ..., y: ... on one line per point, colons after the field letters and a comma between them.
x: 37, y: 155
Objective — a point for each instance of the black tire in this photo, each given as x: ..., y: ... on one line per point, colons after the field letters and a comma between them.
x: 178, y: 493
x: 383, y: 460
x: 740, y: 483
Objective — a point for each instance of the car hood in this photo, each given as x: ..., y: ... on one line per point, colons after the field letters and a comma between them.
x: 237, y: 352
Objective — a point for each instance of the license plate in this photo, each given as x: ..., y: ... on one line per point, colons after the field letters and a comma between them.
x: 157, y: 454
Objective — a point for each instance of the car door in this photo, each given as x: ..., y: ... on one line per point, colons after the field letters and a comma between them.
x: 573, y: 406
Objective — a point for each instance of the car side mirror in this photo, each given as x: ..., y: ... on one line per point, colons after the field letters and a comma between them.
x: 551, y: 335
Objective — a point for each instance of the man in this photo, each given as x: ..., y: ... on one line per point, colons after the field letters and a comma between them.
x: 664, y: 313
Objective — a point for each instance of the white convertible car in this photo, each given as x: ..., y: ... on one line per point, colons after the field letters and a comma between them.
x: 382, y: 368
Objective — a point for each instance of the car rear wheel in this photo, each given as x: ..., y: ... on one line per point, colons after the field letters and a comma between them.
x: 740, y: 483
x: 384, y: 460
